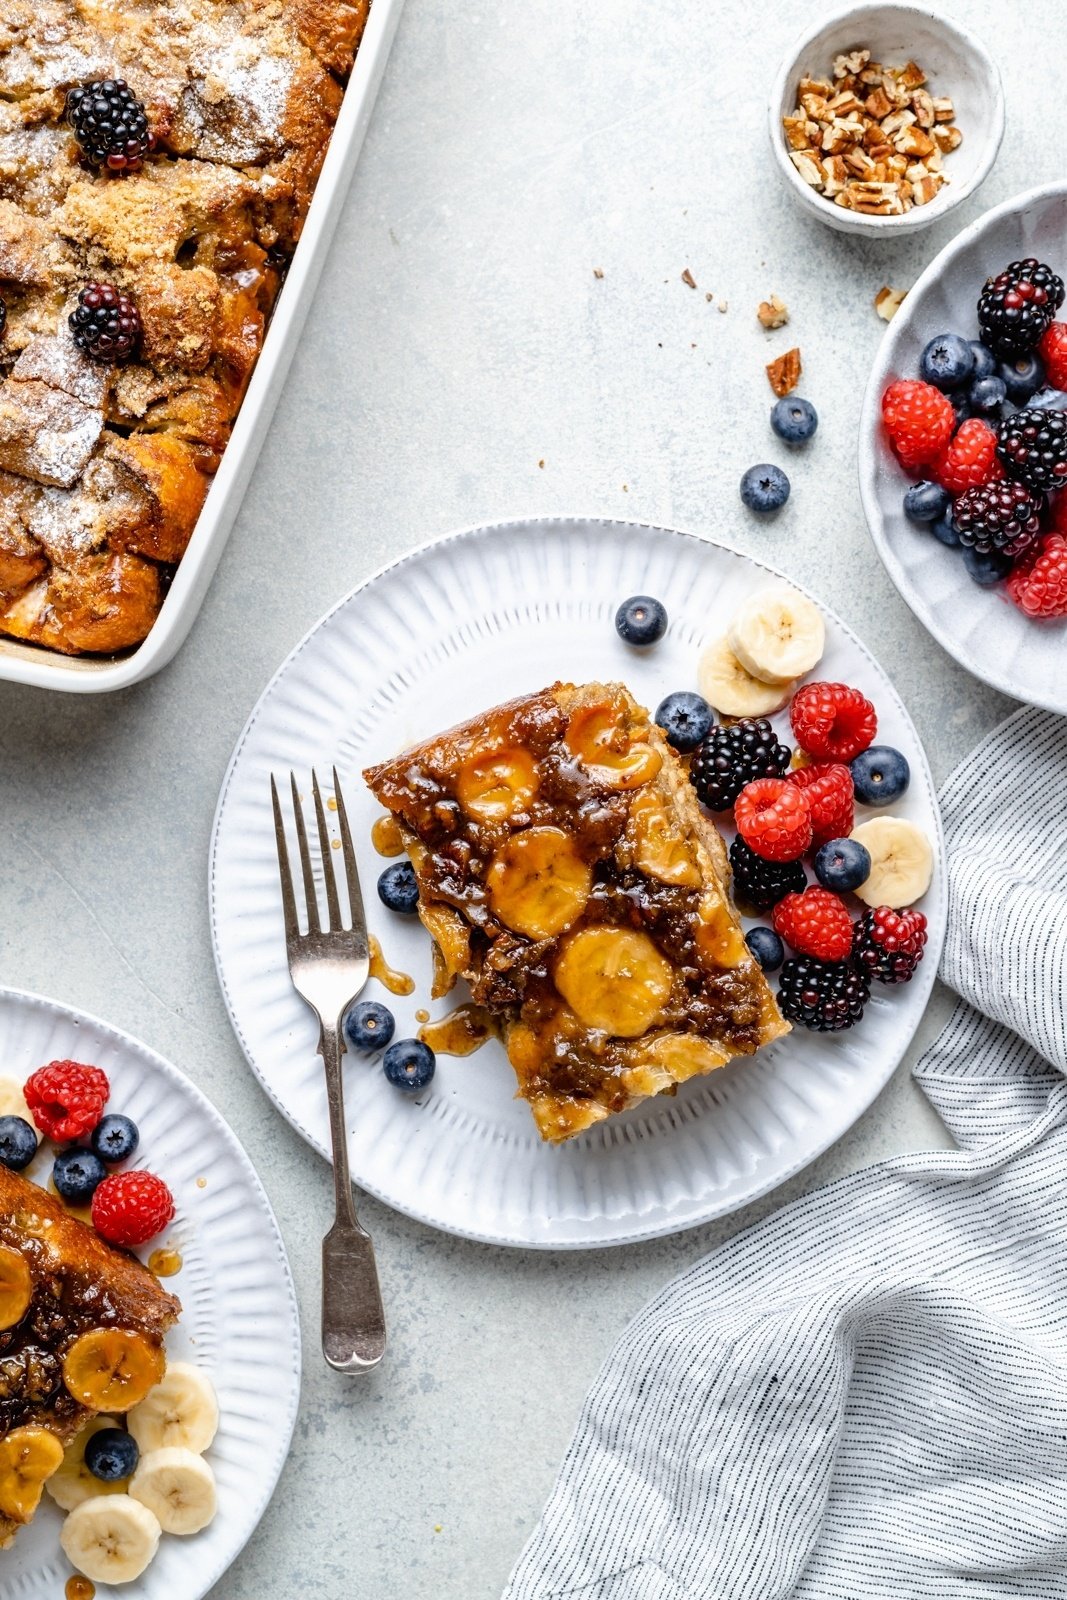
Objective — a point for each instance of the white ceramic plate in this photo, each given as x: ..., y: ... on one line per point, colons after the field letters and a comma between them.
x: 980, y: 628
x: 239, y: 1319
x: 463, y: 623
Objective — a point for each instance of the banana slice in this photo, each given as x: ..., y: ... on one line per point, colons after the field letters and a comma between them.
x: 777, y: 634
x: 614, y: 979
x: 112, y: 1369
x: 595, y: 735
x: 658, y: 849
x: 13, y: 1103
x: 902, y: 862
x: 731, y: 688
x: 16, y: 1286
x: 180, y: 1411
x: 719, y: 941
x: 111, y: 1538
x: 72, y: 1482
x: 178, y: 1487
x: 538, y: 883
x: 28, y: 1456
x: 494, y: 787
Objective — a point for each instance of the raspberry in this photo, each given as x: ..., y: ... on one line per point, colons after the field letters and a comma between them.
x: 731, y: 757
x: 816, y: 923
x: 919, y: 420
x: 761, y: 884
x: 999, y: 516
x: 1033, y: 447
x: 1038, y: 585
x: 832, y: 721
x: 66, y: 1099
x: 888, y: 945
x: 131, y: 1207
x: 831, y: 793
x: 970, y: 460
x: 773, y: 818
x: 1053, y: 352
x: 825, y: 996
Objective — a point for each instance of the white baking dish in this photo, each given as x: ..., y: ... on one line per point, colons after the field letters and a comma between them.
x: 21, y: 663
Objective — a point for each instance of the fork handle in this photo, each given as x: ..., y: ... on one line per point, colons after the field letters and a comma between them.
x: 353, y: 1318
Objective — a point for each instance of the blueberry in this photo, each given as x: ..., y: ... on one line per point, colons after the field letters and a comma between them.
x: 115, y: 1138
x: 985, y: 362
x: 641, y: 620
x: 409, y: 1064
x: 794, y: 420
x: 986, y: 396
x: 961, y: 405
x: 18, y: 1143
x: 767, y: 948
x: 369, y: 1026
x: 1022, y: 377
x: 947, y: 361
x: 945, y: 530
x: 986, y: 570
x: 112, y: 1455
x: 879, y: 775
x: 685, y: 718
x: 77, y: 1174
x: 843, y: 864
x: 398, y: 887
x: 1048, y: 400
x: 925, y: 502
x: 765, y: 488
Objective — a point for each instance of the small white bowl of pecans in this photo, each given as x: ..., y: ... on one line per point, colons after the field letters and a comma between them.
x: 884, y: 117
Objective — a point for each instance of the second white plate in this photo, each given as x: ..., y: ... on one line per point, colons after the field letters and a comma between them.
x: 239, y: 1319
x: 448, y: 631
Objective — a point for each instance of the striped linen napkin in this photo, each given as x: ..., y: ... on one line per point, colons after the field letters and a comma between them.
x: 866, y: 1394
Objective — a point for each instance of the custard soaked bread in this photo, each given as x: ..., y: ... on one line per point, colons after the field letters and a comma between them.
x: 104, y: 464
x: 567, y: 872
x: 81, y: 1331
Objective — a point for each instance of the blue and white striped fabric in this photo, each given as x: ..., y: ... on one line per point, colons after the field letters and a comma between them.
x: 866, y: 1394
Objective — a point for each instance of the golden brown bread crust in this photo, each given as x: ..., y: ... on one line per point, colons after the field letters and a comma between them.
x: 241, y: 96
x: 568, y: 874
x: 79, y: 1282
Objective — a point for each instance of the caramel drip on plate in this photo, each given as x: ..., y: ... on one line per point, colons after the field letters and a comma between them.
x: 395, y: 982
x: 460, y: 1033
x: 165, y: 1263
x: 422, y: 1015
x: 79, y: 1588
x: 385, y: 836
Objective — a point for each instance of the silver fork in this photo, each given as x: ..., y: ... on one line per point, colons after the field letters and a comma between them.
x: 329, y: 967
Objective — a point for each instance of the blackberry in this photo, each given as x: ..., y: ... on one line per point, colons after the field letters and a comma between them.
x: 761, y: 884
x: 109, y: 124
x: 825, y: 996
x: 888, y: 945
x: 106, y: 323
x: 998, y: 516
x: 1016, y: 307
x: 1032, y: 444
x: 732, y: 756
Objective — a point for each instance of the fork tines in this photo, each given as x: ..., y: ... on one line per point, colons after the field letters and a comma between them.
x: 334, y: 924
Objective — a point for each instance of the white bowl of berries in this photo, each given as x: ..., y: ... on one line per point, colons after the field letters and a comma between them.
x: 963, y: 448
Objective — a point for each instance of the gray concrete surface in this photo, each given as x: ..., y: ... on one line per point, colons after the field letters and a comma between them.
x: 459, y: 339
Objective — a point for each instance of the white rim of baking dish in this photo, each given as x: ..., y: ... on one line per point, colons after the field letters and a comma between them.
x: 47, y: 669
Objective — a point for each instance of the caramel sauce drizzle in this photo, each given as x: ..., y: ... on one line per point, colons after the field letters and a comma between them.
x: 395, y: 982
x: 165, y: 1263
x: 385, y: 836
x: 461, y: 1032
